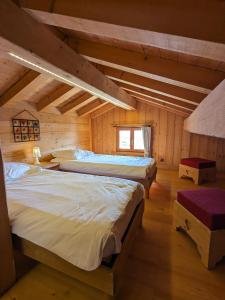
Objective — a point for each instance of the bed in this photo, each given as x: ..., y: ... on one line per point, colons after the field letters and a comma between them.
x: 79, y: 224
x: 140, y: 169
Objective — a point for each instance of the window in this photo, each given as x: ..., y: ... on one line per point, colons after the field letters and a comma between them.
x: 129, y: 139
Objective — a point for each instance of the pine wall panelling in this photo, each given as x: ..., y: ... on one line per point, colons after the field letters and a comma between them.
x: 170, y: 141
x: 56, y: 132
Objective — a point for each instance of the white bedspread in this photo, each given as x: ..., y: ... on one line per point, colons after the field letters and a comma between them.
x: 71, y: 215
x: 124, y: 166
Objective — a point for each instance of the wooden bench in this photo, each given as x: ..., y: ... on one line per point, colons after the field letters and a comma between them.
x: 201, y: 214
x: 198, y: 169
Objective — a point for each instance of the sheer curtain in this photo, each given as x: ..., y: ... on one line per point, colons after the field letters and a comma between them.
x: 147, y: 135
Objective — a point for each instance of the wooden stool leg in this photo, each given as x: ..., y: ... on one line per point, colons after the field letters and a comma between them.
x: 207, y: 258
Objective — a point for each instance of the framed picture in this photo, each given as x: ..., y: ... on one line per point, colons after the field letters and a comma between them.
x: 18, y: 138
x: 26, y: 130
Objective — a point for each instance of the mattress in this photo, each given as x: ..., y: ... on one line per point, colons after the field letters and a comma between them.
x: 110, y: 165
x: 79, y: 217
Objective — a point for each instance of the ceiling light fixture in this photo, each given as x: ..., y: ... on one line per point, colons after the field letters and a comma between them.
x: 64, y: 79
x: 43, y: 69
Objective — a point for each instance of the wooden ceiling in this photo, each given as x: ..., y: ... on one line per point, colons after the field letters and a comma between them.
x: 167, y: 54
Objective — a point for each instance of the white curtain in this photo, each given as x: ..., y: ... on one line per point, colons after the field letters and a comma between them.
x: 147, y: 135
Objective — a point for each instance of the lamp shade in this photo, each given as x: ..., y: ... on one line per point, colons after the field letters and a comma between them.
x: 36, y: 152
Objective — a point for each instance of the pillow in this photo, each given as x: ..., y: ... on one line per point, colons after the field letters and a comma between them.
x: 68, y: 154
x: 81, y: 154
x: 71, y: 154
x: 15, y: 170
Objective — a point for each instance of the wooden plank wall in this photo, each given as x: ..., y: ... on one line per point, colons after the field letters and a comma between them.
x: 57, y: 131
x: 170, y: 141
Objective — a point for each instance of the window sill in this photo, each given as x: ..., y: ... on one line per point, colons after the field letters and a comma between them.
x: 130, y: 153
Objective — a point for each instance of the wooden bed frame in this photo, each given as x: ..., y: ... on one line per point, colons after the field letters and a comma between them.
x: 105, y: 278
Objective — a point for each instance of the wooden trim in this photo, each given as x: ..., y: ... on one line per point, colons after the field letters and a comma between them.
x: 103, y: 278
x: 7, y: 266
x: 61, y: 63
x: 148, y: 124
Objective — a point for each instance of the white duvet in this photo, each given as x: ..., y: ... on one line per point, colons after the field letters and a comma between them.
x: 124, y: 166
x: 71, y: 215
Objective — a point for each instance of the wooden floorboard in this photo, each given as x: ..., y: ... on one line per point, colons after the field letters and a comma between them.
x: 163, y: 264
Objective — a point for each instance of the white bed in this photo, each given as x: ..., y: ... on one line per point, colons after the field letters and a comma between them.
x: 141, y: 169
x: 81, y: 218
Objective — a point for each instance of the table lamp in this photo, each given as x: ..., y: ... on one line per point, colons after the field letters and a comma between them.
x: 36, y: 155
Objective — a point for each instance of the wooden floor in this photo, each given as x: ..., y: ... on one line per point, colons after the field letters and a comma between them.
x: 163, y: 263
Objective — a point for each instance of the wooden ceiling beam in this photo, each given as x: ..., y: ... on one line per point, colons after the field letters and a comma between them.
x: 102, y: 110
x: 160, y: 98
x: 89, y: 108
x: 76, y: 103
x: 152, y: 23
x: 156, y: 100
x: 32, y: 48
x: 180, y: 74
x: 53, y: 97
x: 14, y: 92
x: 168, y: 107
x: 151, y: 85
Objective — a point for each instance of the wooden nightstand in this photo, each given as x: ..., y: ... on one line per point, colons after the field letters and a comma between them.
x: 49, y: 165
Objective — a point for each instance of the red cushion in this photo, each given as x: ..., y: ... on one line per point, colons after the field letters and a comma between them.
x: 207, y: 205
x: 198, y: 163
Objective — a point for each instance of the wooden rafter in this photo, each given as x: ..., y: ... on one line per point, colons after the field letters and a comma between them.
x: 102, y: 110
x: 53, y: 97
x: 89, y: 108
x: 77, y: 103
x: 162, y: 25
x: 180, y: 74
x: 154, y: 86
x: 164, y: 106
x: 21, y: 86
x: 62, y: 62
x: 160, y: 98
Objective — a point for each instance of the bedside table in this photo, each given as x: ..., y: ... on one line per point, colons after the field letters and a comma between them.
x: 49, y: 165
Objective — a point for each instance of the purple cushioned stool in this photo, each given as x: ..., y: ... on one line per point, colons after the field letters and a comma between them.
x: 201, y: 213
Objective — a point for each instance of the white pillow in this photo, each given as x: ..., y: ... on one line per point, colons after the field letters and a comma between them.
x: 68, y: 154
x: 15, y: 170
x: 71, y: 154
x: 82, y: 154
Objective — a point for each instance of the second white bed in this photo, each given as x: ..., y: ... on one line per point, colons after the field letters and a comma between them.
x: 130, y: 167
